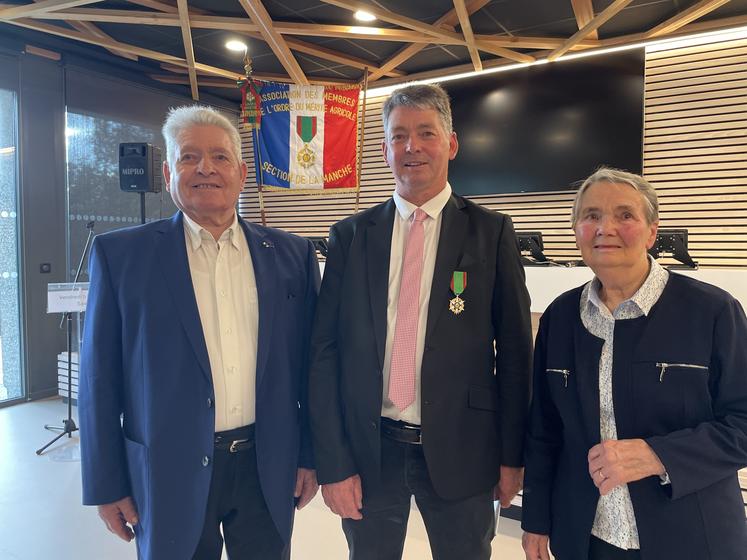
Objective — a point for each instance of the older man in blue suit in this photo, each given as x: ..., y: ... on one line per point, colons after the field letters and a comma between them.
x: 194, y: 363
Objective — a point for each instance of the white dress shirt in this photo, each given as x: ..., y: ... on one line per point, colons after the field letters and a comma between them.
x: 432, y: 228
x: 226, y: 292
x: 615, y: 519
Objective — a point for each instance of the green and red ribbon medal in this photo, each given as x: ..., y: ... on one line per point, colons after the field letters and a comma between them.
x: 458, y: 285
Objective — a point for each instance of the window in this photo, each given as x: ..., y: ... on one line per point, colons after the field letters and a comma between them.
x: 93, y: 179
x: 12, y: 384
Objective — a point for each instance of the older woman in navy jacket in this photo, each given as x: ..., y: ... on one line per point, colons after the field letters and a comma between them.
x: 639, y: 417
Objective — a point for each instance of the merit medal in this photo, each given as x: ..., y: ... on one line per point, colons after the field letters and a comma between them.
x: 458, y: 284
x: 306, y: 130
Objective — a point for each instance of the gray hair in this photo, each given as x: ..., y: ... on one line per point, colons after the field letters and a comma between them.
x: 420, y: 96
x: 610, y: 176
x: 181, y: 118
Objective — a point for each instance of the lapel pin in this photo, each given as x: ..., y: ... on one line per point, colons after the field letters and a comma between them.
x: 267, y: 244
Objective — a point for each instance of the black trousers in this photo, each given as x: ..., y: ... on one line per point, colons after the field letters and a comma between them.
x: 236, y: 504
x: 601, y: 550
x: 457, y: 529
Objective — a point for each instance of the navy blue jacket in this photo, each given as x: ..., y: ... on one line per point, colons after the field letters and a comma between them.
x: 694, y: 418
x: 144, y: 357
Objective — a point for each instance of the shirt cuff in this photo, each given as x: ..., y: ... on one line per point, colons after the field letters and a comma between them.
x: 664, y: 479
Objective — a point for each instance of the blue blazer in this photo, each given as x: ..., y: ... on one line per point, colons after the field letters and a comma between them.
x: 694, y: 417
x: 144, y: 360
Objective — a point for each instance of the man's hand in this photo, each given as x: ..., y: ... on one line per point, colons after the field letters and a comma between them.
x: 306, y: 486
x: 117, y: 515
x: 616, y: 462
x: 535, y: 546
x: 345, y: 498
x: 511, y: 481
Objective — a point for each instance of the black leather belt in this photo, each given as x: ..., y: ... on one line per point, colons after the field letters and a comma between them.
x: 238, y: 439
x: 401, y: 431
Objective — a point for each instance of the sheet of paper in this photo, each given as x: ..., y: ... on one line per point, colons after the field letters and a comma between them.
x: 64, y: 297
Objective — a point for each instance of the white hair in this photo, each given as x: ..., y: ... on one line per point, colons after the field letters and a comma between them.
x: 610, y: 176
x: 181, y: 118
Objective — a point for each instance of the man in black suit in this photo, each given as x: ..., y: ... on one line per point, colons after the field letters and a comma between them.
x: 421, y: 351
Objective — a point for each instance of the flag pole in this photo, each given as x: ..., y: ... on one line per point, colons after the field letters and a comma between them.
x: 362, y: 139
x: 255, y: 139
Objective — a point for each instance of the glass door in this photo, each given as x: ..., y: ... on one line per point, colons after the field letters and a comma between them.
x: 12, y: 386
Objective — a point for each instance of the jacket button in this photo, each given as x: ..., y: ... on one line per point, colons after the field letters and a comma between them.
x: 205, y: 461
x: 210, y: 402
x: 374, y: 425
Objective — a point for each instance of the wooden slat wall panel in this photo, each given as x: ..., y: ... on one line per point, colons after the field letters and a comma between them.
x: 695, y: 146
x: 695, y: 153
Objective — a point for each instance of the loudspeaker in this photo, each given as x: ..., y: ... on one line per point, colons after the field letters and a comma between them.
x: 139, y: 167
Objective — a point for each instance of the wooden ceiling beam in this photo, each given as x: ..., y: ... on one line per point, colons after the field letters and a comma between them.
x: 604, y: 16
x: 690, y: 29
x: 116, y: 16
x: 450, y: 19
x: 518, y: 42
x: 44, y: 53
x: 28, y: 10
x: 213, y: 82
x: 147, y: 53
x: 182, y: 70
x: 463, y: 15
x: 91, y: 29
x: 403, y: 21
x: 722, y: 24
x: 189, y: 50
x: 398, y: 58
x: 245, y: 26
x: 504, y: 52
x: 156, y: 5
x: 584, y: 12
x: 294, y: 28
x: 364, y: 32
x: 185, y: 81
x: 335, y: 56
x: 169, y: 6
x: 686, y: 16
x: 208, y: 22
x: 258, y: 14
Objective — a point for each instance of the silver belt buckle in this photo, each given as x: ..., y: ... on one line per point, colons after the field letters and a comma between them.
x: 235, y: 443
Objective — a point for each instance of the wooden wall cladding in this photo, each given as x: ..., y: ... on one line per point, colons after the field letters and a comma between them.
x: 694, y: 152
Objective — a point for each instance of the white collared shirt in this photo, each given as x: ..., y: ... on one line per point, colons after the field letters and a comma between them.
x: 615, y: 519
x: 432, y: 228
x: 226, y: 293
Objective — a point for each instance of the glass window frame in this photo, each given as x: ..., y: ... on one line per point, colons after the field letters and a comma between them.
x: 10, y: 81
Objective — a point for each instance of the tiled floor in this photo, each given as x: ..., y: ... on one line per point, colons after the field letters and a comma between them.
x: 41, y: 517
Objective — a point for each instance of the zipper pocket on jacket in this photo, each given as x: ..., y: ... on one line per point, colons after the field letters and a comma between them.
x: 663, y: 366
x: 564, y: 372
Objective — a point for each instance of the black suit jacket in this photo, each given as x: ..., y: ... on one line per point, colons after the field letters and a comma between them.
x: 474, y: 399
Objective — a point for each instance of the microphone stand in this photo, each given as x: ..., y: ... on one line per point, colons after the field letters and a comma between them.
x: 68, y: 424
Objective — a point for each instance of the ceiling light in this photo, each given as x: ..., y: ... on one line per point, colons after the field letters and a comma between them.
x: 361, y: 15
x: 237, y: 46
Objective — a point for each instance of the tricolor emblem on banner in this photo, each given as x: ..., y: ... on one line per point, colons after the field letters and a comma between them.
x: 308, y: 136
x: 306, y: 129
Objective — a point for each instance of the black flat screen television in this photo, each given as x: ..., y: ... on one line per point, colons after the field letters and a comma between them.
x: 547, y: 127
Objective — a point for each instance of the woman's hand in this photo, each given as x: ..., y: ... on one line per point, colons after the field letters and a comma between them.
x: 535, y: 546
x: 616, y: 462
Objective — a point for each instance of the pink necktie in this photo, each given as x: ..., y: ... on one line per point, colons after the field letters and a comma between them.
x: 402, y: 372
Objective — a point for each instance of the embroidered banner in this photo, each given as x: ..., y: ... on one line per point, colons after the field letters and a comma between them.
x: 305, y: 137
